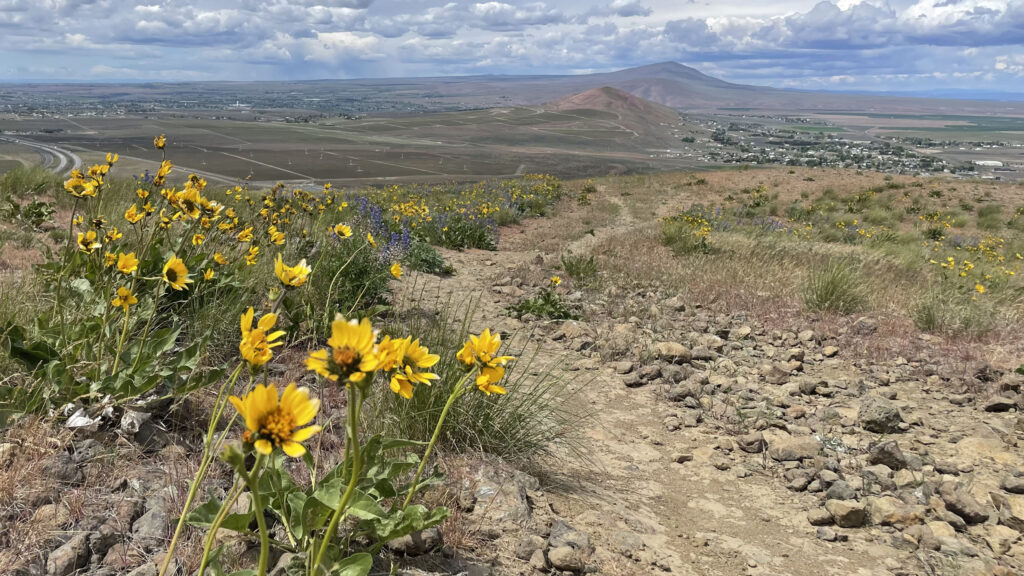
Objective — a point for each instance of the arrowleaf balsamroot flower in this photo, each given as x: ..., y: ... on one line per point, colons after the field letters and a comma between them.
x: 127, y: 263
x: 159, y: 142
x: 87, y: 241
x: 176, y: 274
x: 124, y: 298
x: 256, y: 342
x: 482, y: 351
x: 396, y: 271
x: 408, y: 359
x: 271, y: 423
x: 342, y: 231
x: 352, y: 355
x: 293, y: 276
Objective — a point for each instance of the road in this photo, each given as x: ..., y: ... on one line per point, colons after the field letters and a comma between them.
x: 56, y: 159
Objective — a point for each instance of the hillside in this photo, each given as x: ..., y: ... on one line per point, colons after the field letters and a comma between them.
x: 626, y: 106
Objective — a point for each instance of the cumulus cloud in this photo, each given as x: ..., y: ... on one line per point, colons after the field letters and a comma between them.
x: 782, y: 42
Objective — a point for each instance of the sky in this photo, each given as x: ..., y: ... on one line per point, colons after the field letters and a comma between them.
x: 879, y: 45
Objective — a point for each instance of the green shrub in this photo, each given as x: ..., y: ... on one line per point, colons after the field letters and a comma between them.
x: 686, y: 233
x: 582, y: 269
x: 547, y: 304
x: 534, y: 417
x: 423, y: 257
x: 990, y: 217
x: 835, y: 286
x: 946, y: 311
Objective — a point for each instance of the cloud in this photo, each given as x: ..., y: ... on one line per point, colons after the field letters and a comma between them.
x: 781, y: 42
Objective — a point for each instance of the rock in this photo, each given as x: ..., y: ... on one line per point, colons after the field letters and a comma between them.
x: 150, y: 530
x: 999, y: 404
x: 500, y: 493
x: 623, y: 367
x: 73, y: 555
x: 649, y: 373
x: 806, y: 336
x: 846, y: 513
x: 889, y: 511
x: 878, y: 476
x: 7, y: 452
x: 56, y: 515
x: 61, y: 467
x: 887, y: 453
x: 785, y: 448
x: 777, y: 375
x: 840, y: 490
x: 529, y: 544
x: 563, y: 534
x: 1000, y: 538
x: 566, y: 558
x: 739, y: 333
x: 879, y: 415
x: 417, y: 543
x: 819, y: 517
x: 1013, y: 484
x: 683, y: 457
x: 906, y: 479
x: 1011, y: 510
x: 539, y: 561
x: 865, y: 326
x: 752, y: 443
x: 941, y: 529
x: 286, y: 561
x: 633, y: 381
x: 826, y: 534
x: 629, y: 544
x: 673, y: 352
x: 829, y: 351
x: 962, y: 504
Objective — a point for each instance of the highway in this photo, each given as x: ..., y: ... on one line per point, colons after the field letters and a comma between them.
x: 56, y: 159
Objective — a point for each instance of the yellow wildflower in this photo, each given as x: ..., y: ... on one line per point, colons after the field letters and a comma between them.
x: 176, y: 274
x: 127, y: 263
x: 353, y: 352
x: 256, y: 343
x: 481, y: 351
x: 293, y: 276
x: 271, y: 423
x: 124, y: 299
x: 87, y: 242
x: 396, y: 271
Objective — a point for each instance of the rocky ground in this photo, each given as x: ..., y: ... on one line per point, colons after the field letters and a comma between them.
x: 717, y: 446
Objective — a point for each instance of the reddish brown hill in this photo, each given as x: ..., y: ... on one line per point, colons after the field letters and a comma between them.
x: 623, y: 104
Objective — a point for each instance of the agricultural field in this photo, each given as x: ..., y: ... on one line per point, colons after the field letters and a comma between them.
x: 461, y: 146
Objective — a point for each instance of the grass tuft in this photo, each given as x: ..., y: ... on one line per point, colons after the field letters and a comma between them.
x: 835, y: 286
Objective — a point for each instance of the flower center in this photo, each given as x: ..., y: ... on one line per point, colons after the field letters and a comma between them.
x: 172, y: 275
x: 346, y: 359
x: 277, y: 427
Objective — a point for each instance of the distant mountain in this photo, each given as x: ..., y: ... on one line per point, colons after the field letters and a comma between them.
x: 670, y: 84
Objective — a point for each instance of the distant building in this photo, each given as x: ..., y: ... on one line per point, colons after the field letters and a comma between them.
x: 989, y: 163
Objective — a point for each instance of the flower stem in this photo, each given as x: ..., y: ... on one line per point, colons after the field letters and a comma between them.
x: 120, y: 343
x: 204, y: 465
x: 149, y: 323
x: 222, y: 514
x: 456, y: 392
x: 354, y: 404
x: 252, y: 479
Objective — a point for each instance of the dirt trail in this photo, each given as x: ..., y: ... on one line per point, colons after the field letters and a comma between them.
x: 692, y: 518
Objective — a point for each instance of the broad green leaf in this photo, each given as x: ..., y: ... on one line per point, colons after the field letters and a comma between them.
x: 355, y: 565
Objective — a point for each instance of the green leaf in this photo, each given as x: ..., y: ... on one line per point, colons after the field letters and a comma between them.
x: 204, y: 515
x: 355, y: 565
x: 329, y: 493
x: 365, y: 507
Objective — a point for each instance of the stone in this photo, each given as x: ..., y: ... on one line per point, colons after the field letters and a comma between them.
x: 879, y: 415
x: 819, y: 517
x: 887, y: 453
x: 7, y: 452
x: 785, y: 448
x: 827, y: 534
x: 539, y: 561
x: 61, y: 467
x: 1000, y: 538
x: 999, y: 404
x: 752, y: 443
x: 906, y: 479
x: 865, y: 326
x: 673, y: 352
x: 566, y: 558
x: 840, y: 490
x: 563, y: 534
x: 150, y: 530
x: 650, y: 372
x: 1013, y: 484
x: 500, y: 493
x: 1011, y: 510
x: 529, y: 544
x: 889, y: 511
x: 739, y: 333
x: 52, y: 514
x: 629, y: 544
x: 846, y: 513
x: 829, y: 351
x: 961, y: 503
x: 878, y: 476
x: 683, y: 457
x: 417, y: 543
x: 623, y: 367
x: 777, y: 375
x: 71, y: 556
